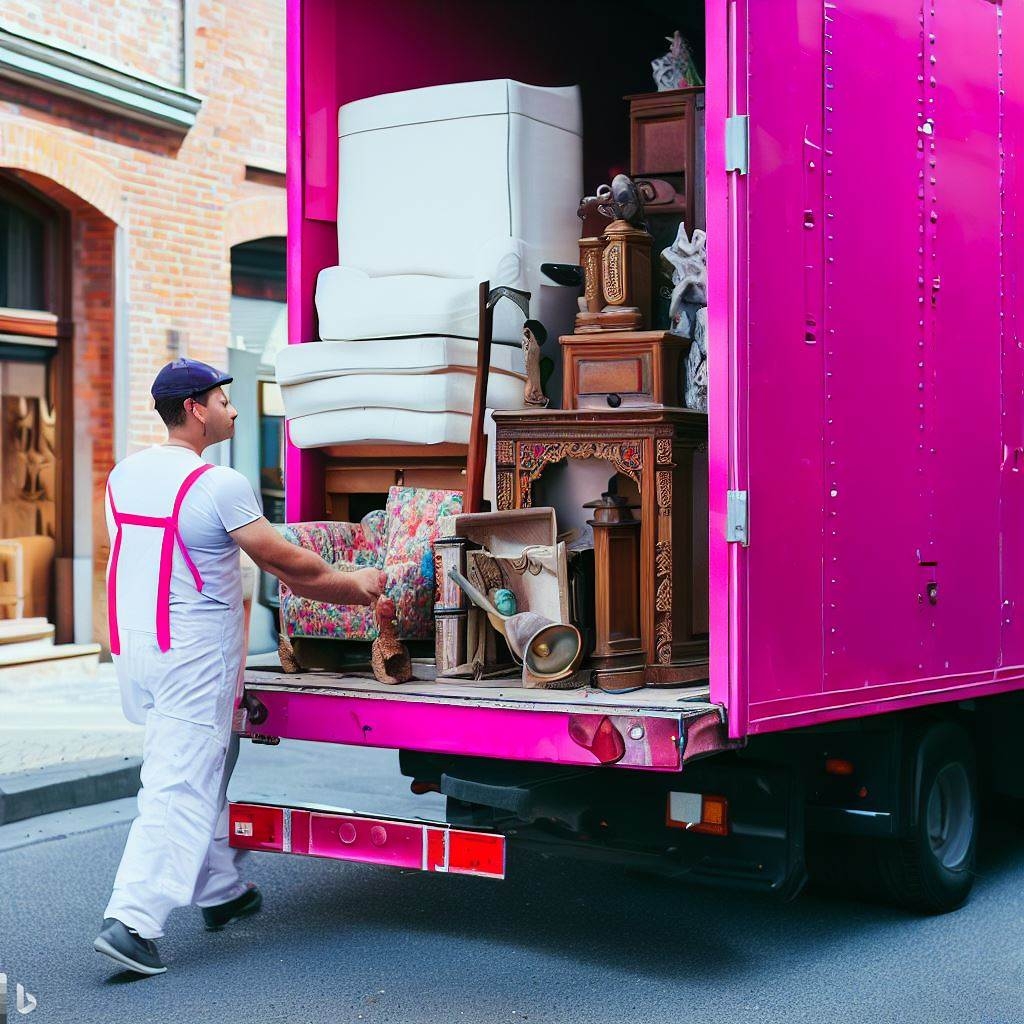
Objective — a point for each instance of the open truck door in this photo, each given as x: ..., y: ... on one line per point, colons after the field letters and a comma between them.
x: 859, y: 204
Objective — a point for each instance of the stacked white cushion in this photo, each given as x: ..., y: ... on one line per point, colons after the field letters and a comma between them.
x: 443, y: 391
x: 438, y: 190
x: 357, y: 426
x: 299, y: 363
x: 434, y: 378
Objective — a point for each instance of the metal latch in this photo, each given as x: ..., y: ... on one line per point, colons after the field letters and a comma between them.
x: 737, y: 524
x: 737, y: 143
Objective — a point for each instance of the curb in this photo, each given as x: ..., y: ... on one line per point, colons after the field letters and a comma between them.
x: 60, y: 787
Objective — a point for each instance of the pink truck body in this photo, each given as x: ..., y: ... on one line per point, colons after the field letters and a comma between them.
x: 865, y: 348
x: 865, y: 254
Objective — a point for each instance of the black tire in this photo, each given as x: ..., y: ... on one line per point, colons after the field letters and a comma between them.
x: 932, y: 870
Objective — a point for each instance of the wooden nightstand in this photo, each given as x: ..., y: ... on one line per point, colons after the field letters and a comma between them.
x: 627, y: 369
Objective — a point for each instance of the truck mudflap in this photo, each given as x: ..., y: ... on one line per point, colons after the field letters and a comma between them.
x: 366, y: 839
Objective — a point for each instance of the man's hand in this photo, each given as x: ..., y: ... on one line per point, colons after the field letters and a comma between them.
x: 369, y: 583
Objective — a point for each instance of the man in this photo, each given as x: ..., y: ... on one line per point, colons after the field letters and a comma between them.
x: 174, y: 593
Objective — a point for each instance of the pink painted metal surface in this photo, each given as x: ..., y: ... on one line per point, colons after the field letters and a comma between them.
x: 722, y: 288
x: 366, y: 839
x: 649, y: 742
x: 312, y: 244
x: 879, y: 413
x: 1011, y: 311
x: 865, y: 340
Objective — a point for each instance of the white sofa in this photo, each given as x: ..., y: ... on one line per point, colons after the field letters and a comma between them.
x: 439, y: 189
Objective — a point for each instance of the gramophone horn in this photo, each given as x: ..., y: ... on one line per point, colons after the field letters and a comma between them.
x: 554, y: 652
x: 548, y: 650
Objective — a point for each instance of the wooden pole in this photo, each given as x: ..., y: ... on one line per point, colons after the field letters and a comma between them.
x: 477, y: 454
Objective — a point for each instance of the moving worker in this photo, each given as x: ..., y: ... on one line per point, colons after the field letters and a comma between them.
x: 174, y: 593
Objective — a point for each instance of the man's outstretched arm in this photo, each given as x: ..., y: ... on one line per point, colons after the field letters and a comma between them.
x: 303, y: 571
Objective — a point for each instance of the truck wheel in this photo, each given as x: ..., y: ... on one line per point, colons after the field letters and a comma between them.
x: 933, y: 869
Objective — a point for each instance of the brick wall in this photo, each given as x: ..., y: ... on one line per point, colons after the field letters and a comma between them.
x: 181, y: 201
x: 141, y: 37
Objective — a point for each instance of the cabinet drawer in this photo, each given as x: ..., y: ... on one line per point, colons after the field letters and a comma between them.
x: 445, y: 478
x: 627, y: 369
x: 628, y: 376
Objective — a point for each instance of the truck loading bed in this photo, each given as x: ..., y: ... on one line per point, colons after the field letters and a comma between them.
x: 653, y: 729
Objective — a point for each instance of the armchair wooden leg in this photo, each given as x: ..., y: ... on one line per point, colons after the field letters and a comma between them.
x: 287, y: 654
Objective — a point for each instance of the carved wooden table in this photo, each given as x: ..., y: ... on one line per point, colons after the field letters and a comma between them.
x: 664, y: 452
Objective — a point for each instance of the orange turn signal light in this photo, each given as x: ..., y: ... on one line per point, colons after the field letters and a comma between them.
x: 704, y: 813
x: 837, y: 766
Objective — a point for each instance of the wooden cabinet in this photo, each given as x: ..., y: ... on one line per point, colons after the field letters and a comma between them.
x: 366, y: 470
x: 664, y: 452
x: 623, y: 369
x: 667, y: 142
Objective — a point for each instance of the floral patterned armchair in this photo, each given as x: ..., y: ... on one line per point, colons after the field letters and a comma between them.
x: 398, y: 540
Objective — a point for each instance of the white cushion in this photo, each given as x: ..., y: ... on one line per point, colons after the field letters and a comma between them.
x: 328, y: 359
x: 558, y: 107
x: 400, y: 426
x: 351, y: 305
x: 429, y: 176
x: 445, y: 391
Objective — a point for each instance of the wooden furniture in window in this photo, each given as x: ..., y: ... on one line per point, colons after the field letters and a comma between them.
x: 664, y: 452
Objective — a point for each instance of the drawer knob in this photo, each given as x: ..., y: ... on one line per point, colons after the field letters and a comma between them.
x: 615, y: 401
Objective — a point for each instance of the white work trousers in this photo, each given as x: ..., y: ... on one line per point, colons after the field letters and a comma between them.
x: 177, y: 851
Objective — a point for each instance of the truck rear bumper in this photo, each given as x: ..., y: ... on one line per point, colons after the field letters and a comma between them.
x: 366, y: 839
x: 519, y: 727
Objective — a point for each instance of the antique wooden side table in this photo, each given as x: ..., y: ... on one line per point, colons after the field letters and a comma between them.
x: 664, y: 452
x: 623, y: 369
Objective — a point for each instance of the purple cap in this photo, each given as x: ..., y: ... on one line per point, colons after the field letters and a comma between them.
x: 186, y: 378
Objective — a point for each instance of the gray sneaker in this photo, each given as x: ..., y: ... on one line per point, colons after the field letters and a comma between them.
x: 128, y: 948
x: 214, y: 918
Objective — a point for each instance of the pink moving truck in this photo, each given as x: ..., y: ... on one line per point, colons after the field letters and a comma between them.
x: 866, y: 455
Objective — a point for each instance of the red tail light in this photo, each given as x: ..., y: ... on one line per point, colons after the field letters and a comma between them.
x: 253, y: 827
x: 471, y: 853
x: 599, y: 736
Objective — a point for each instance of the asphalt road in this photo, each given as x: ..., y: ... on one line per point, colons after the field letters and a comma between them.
x: 557, y: 941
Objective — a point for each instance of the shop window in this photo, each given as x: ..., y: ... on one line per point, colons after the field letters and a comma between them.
x: 33, y: 286
x: 22, y: 263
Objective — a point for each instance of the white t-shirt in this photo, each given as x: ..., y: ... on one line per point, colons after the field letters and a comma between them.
x: 220, y: 501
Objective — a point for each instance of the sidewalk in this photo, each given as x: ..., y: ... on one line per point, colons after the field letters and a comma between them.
x: 50, y: 716
x: 64, y: 741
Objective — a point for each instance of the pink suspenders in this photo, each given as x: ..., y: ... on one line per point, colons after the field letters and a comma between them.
x: 172, y: 536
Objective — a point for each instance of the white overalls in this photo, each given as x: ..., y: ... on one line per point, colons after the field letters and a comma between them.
x: 178, y: 647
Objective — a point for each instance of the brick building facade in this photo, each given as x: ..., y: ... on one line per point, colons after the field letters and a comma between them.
x: 149, y: 135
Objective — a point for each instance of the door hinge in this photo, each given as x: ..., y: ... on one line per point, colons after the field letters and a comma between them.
x: 737, y: 143
x: 737, y: 524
